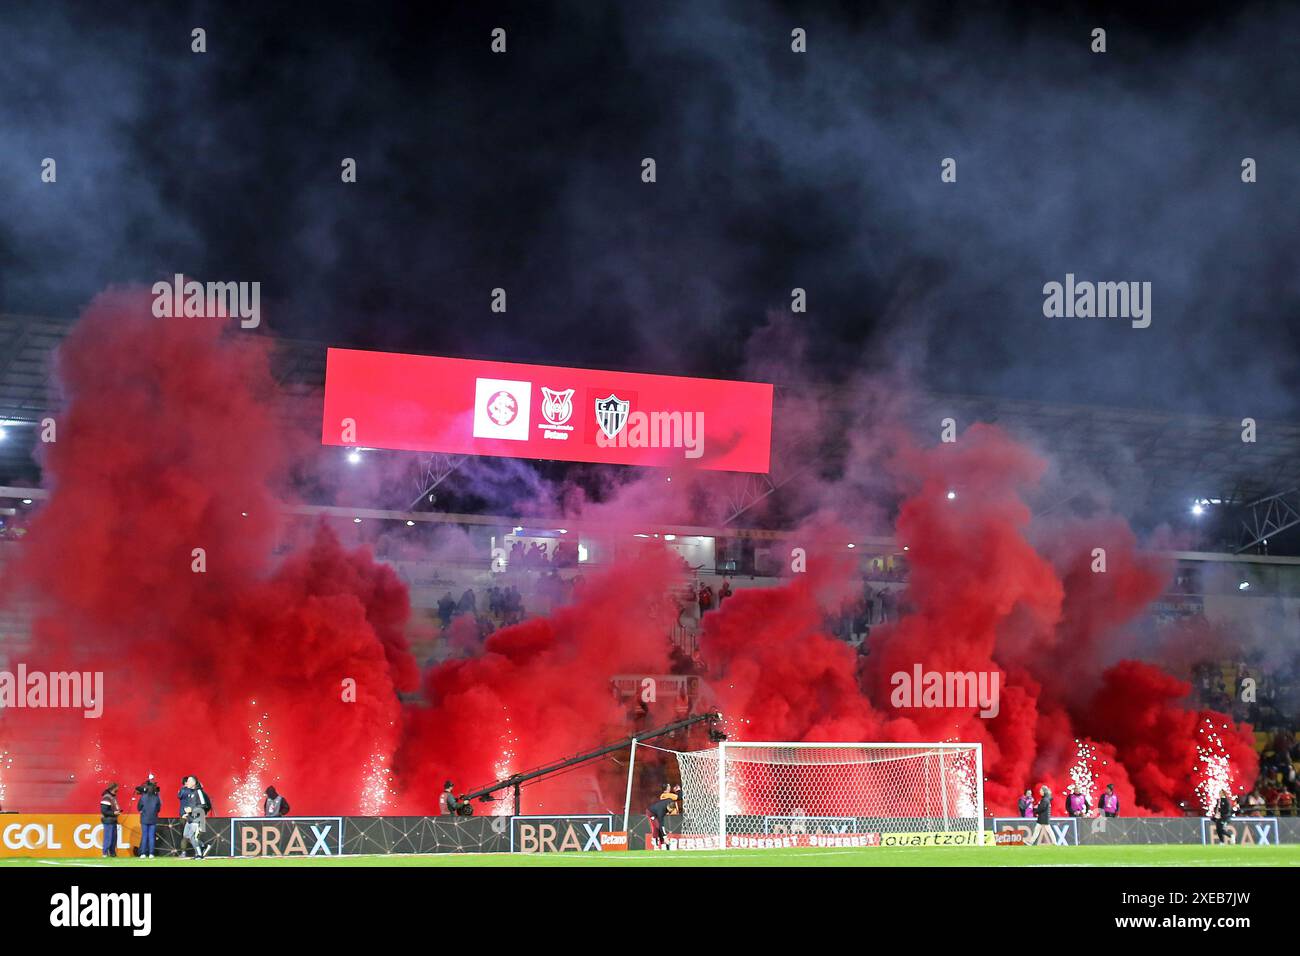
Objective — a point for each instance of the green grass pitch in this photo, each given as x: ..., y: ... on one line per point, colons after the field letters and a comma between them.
x: 973, y: 856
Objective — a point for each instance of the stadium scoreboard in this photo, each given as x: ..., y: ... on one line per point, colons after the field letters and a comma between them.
x: 464, y: 406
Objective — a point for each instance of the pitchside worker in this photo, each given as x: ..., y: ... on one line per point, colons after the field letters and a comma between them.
x: 274, y: 805
x: 1026, y: 803
x: 1110, y: 802
x: 657, y: 811
x: 1076, y: 804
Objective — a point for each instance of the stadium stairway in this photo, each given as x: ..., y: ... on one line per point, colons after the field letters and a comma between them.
x: 32, y: 778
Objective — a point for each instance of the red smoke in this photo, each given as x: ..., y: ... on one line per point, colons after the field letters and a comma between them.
x: 982, y: 598
x: 540, y: 691
x: 170, y: 437
x: 168, y: 443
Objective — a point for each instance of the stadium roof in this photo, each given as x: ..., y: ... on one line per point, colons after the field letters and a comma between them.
x: 1178, y: 456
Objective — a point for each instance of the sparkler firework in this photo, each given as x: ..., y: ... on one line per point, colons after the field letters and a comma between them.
x: 1213, y: 769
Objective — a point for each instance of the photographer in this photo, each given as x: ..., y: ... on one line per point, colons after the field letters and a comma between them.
x: 150, y: 804
x: 108, y: 812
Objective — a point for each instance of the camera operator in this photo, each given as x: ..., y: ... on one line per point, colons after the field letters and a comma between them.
x: 449, y: 805
x: 149, y: 801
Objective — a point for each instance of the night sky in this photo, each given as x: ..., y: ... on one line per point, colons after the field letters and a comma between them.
x: 775, y: 170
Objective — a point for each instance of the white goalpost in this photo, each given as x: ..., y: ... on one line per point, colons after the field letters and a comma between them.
x: 766, y: 794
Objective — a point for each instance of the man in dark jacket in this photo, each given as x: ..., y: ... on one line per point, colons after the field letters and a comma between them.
x: 1044, y: 805
x: 150, y: 804
x: 274, y: 805
x: 108, y: 812
x: 1222, y: 815
x: 194, y: 811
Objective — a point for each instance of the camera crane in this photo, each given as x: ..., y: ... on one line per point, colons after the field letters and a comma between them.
x: 515, y: 781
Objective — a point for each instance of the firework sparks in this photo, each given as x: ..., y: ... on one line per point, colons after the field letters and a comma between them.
x: 1085, y: 760
x: 246, y: 798
x: 1213, y: 768
x: 505, y: 805
x: 378, y: 789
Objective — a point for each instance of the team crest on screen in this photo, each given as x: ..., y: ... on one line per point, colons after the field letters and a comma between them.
x: 557, y: 406
x: 611, y: 415
x: 502, y: 408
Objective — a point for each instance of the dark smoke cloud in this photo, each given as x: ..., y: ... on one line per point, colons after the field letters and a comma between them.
x: 775, y: 171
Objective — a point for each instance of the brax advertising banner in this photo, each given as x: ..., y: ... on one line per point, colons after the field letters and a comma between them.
x: 468, y: 407
x: 1243, y: 831
x: 575, y: 833
x: 286, y: 836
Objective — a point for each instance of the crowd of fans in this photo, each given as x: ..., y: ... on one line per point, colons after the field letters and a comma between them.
x: 502, y: 605
x: 1277, y: 791
x: 856, y: 617
x: 536, y: 554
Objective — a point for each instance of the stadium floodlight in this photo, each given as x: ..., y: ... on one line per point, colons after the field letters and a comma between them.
x: 410, y: 523
x: 1198, y: 509
x: 670, y: 537
x: 852, y: 545
x: 1243, y: 586
x: 356, y: 521
x: 832, y: 794
x: 952, y: 495
x: 354, y: 457
x: 28, y: 501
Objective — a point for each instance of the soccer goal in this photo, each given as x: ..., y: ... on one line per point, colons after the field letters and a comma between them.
x: 745, y: 794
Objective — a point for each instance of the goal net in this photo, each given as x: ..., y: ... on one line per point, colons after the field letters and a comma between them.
x: 833, y: 794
